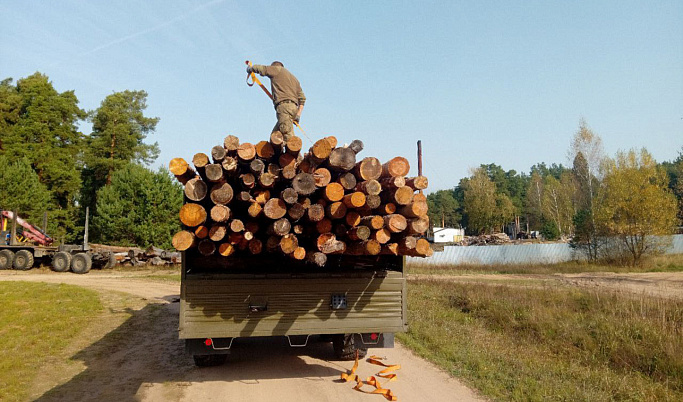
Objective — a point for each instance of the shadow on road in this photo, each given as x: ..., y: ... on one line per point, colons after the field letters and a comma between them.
x: 145, y: 350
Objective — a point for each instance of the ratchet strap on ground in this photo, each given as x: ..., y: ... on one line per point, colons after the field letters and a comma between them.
x: 255, y: 80
x: 372, y: 380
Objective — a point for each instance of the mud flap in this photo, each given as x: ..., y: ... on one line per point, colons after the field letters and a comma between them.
x: 374, y: 340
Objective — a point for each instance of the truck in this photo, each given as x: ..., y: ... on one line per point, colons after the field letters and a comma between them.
x: 33, y: 245
x: 354, y: 302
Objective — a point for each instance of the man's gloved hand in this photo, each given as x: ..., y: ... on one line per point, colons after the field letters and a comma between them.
x: 250, y: 69
x: 297, y: 118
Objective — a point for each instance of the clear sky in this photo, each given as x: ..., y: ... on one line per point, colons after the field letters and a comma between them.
x: 477, y: 81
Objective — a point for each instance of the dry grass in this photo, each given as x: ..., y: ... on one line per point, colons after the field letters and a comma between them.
x: 515, y: 343
x: 37, y: 321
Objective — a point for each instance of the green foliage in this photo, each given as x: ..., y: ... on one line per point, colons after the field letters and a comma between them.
x: 139, y: 207
x: 22, y: 191
x: 486, y: 208
x: 550, y: 231
x: 636, y: 206
x: 443, y: 207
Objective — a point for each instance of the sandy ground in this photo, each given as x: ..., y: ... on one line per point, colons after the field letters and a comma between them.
x: 133, y: 353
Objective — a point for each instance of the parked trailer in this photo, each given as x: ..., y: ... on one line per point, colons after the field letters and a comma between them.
x: 38, y: 248
x: 357, y: 302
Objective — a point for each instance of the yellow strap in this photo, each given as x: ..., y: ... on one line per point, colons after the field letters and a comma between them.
x: 372, y: 380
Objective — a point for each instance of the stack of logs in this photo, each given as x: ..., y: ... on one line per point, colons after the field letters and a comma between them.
x: 271, y: 197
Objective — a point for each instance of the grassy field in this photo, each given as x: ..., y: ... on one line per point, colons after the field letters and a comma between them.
x: 663, y: 263
x: 516, y: 343
x: 38, y: 320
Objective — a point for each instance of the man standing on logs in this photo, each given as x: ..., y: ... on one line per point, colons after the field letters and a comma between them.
x: 288, y: 97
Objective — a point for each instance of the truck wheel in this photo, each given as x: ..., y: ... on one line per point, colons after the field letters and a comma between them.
x: 81, y: 263
x: 345, y: 347
x: 61, y: 261
x: 23, y: 260
x: 209, y: 360
x: 6, y: 259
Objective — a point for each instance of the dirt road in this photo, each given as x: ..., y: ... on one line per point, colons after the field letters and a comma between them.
x: 138, y: 356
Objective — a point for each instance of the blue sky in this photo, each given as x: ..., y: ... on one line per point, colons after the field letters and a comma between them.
x: 478, y: 82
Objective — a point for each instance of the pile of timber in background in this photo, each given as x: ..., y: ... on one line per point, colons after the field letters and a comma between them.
x: 135, y: 256
x: 271, y: 197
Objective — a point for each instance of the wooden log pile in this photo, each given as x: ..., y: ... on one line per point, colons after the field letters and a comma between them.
x: 272, y: 197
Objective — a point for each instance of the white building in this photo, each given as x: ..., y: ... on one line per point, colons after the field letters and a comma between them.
x: 448, y: 235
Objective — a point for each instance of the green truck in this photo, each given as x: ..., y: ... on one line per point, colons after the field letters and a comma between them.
x: 355, y: 302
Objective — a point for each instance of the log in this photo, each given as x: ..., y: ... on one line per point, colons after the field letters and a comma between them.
x: 320, y: 151
x: 218, y: 153
x: 417, y: 226
x: 246, y: 152
x: 304, y: 183
x: 264, y: 150
x: 317, y: 258
x: 359, y: 233
x: 229, y: 165
x: 183, y: 240
x: 288, y: 172
x: 277, y: 140
x: 397, y: 166
x: 414, y: 210
x: 306, y: 166
x: 322, y: 177
x: 399, y: 196
x: 201, y: 232
x: 206, y: 247
x: 387, y: 209
x: 347, y: 180
x: 289, y: 195
x: 370, y: 187
x: 372, y: 247
x: 356, y: 146
x: 336, y: 210
x: 257, y: 167
x: 296, y: 211
x: 315, y: 212
x: 244, y: 196
x: 274, y: 169
x: 289, y: 243
x: 417, y: 183
x: 254, y: 209
x: 342, y: 159
x: 374, y: 222
x: 200, y: 160
x: 419, y: 197
x: 248, y: 235
x: 279, y: 227
x: 182, y: 170
x: 369, y: 168
x: 393, y: 182
x: 261, y: 196
x: 275, y: 208
x: 423, y: 248
x: 267, y: 180
x: 235, y: 238
x: 236, y: 225
x: 255, y: 246
x: 231, y: 143
x: 373, y: 201
x: 395, y: 223
x: 248, y: 180
x: 390, y: 248
x: 192, y: 215
x: 407, y: 243
x: 327, y: 243
x: 286, y: 160
x: 333, y: 192
x: 352, y: 218
x: 299, y: 253
x: 195, y: 189
x: 217, y: 232
x: 306, y: 202
x: 221, y: 193
x: 332, y: 140
x: 226, y: 249
x: 382, y: 235
x: 294, y: 145
x: 324, y: 226
x: 220, y: 213
x: 354, y: 200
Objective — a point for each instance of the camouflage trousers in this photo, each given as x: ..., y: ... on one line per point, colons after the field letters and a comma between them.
x: 286, y: 112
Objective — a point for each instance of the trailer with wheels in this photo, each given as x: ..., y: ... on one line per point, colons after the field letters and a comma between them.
x: 22, y: 251
x: 356, y: 302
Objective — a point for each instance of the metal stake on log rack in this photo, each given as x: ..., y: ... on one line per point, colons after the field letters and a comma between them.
x: 419, y: 159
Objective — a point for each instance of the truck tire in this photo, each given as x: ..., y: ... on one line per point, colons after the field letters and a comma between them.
x: 209, y: 360
x: 23, y: 260
x: 6, y: 259
x: 81, y: 263
x: 345, y: 347
x: 61, y: 261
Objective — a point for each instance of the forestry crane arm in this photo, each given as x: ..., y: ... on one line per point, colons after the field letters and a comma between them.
x: 32, y: 233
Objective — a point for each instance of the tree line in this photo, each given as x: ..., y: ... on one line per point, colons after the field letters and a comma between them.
x: 610, y: 208
x: 47, y: 164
